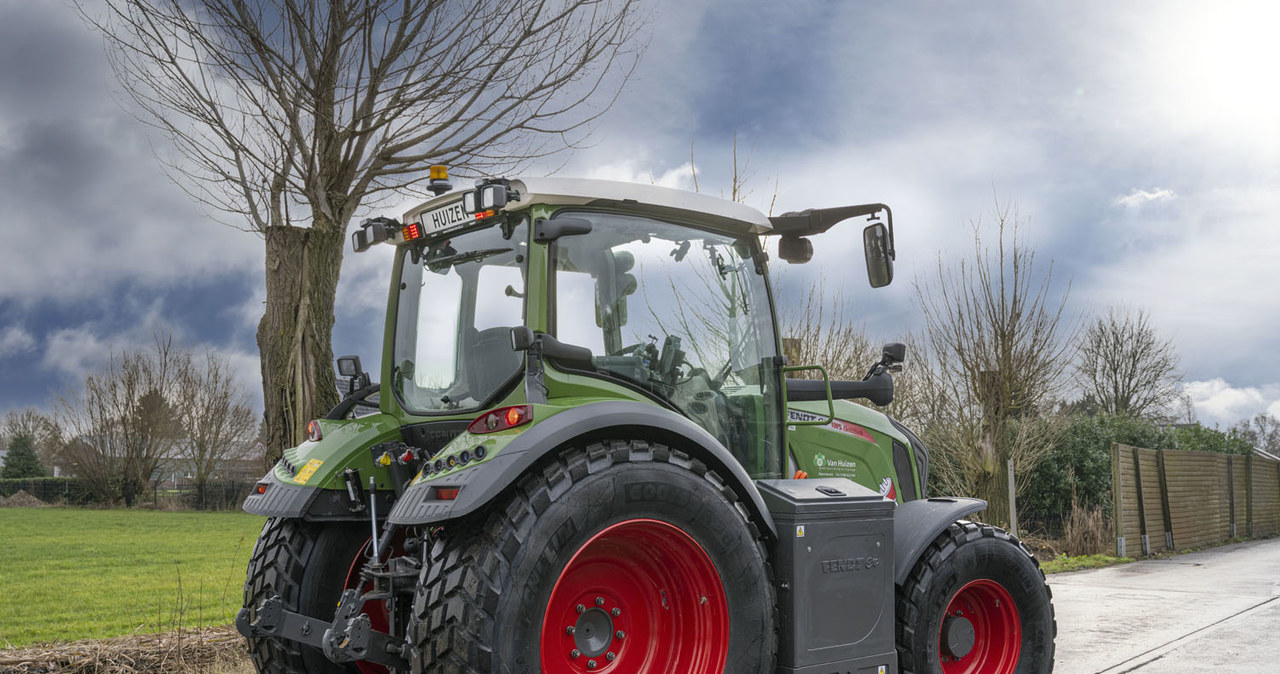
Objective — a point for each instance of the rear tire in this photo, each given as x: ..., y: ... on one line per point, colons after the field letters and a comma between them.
x: 307, y: 564
x: 622, y: 537
x: 975, y: 603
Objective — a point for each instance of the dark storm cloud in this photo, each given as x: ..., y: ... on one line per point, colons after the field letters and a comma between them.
x: 101, y: 249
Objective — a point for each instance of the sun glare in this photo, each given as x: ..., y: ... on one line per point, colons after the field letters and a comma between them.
x: 1217, y: 66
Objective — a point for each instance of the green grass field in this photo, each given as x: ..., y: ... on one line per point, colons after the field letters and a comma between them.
x: 70, y: 574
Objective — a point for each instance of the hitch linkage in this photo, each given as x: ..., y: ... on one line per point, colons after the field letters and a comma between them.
x: 350, y: 637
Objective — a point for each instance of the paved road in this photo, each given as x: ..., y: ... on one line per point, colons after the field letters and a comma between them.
x: 1211, y: 611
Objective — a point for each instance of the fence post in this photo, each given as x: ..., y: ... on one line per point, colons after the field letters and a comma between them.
x: 1117, y: 498
x: 1231, y: 493
x: 1164, y: 501
x: 1248, y: 495
x: 1142, y: 505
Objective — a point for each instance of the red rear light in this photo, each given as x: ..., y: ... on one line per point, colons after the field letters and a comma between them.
x: 261, y: 488
x: 501, y: 419
x: 313, y: 431
x: 446, y: 493
x: 481, y: 215
x: 412, y: 231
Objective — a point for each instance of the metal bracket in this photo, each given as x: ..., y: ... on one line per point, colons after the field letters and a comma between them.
x: 349, y: 638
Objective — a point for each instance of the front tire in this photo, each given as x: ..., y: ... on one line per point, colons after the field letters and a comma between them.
x: 624, y: 557
x: 975, y: 603
x: 308, y: 565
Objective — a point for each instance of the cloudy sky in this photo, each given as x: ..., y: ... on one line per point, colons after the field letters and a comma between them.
x: 1139, y: 142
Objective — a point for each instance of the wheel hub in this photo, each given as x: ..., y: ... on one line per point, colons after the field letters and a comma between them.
x: 593, y: 633
x: 957, y: 636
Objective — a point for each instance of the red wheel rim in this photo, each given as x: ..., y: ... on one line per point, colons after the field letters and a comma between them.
x: 641, y: 597
x: 981, y: 632
x: 377, y: 610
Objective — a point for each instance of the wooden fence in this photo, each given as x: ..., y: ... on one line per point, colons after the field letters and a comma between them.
x: 1170, y: 500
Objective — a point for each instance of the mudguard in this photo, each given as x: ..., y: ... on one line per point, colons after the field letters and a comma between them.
x: 484, y: 482
x: 281, y: 499
x: 917, y: 523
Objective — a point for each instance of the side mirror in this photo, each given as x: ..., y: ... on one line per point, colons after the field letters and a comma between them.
x: 878, y: 249
x: 795, y: 249
x: 357, y: 378
x: 521, y: 338
x: 349, y: 366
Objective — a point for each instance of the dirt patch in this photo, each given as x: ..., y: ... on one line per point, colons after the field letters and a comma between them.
x: 214, y: 650
x: 23, y: 500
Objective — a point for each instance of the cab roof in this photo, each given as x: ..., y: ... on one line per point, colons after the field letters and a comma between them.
x: 661, y: 202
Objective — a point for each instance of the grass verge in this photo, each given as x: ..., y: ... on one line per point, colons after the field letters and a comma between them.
x: 1063, y: 563
x: 69, y: 574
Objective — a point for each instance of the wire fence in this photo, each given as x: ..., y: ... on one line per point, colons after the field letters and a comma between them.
x: 180, y: 495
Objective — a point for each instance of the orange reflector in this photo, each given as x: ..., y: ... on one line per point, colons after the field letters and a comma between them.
x: 513, y: 415
x: 800, y: 475
x: 481, y: 215
x: 438, y: 172
x: 261, y: 489
x: 446, y: 493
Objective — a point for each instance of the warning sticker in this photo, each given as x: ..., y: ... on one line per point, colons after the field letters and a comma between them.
x: 800, y: 531
x: 307, y: 471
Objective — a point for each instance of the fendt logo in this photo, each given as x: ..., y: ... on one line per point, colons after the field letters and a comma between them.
x: 849, y: 564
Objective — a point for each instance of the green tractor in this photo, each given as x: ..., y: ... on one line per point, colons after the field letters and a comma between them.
x: 585, y: 455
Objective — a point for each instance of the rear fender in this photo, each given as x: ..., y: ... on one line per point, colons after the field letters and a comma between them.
x: 917, y: 523
x: 483, y: 482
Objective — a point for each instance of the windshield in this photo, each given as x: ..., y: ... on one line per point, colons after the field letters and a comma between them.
x: 682, y: 314
x: 459, y: 298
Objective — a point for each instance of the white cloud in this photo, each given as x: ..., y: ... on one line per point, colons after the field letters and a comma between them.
x: 631, y: 171
x: 15, y: 340
x: 1218, y: 403
x: 1139, y: 197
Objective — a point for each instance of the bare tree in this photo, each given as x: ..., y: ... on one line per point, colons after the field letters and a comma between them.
x: 993, y: 330
x: 1262, y: 431
x: 296, y: 112
x: 122, y: 426
x: 821, y: 333
x: 1124, y: 367
x: 215, y: 418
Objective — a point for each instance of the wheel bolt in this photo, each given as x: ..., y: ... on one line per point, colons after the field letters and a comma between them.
x: 620, y: 634
x: 591, y: 664
x: 575, y: 653
x: 617, y: 611
x: 609, y: 656
x: 599, y: 601
x: 568, y: 630
x: 580, y: 608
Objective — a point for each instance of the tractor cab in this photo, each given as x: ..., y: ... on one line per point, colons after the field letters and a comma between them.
x: 629, y: 291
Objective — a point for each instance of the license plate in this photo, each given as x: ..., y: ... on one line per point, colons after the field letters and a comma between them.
x: 445, y: 217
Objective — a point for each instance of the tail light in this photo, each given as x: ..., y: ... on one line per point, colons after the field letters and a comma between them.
x: 501, y: 419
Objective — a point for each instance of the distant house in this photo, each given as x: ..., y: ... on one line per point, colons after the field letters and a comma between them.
x: 2, y: 454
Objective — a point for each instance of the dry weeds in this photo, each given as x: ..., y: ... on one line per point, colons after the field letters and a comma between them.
x: 215, y: 650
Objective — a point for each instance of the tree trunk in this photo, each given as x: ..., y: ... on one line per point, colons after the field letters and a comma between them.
x: 295, y: 334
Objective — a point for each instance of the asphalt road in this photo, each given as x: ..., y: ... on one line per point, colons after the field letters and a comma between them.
x: 1212, y: 611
